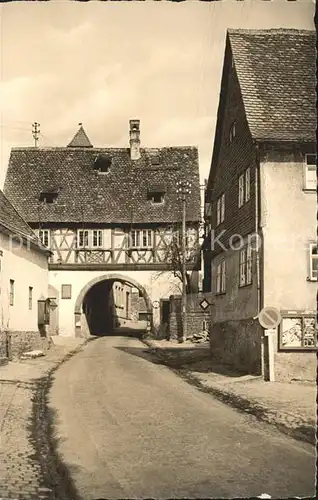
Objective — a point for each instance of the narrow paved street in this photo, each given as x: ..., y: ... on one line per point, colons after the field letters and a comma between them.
x: 130, y: 428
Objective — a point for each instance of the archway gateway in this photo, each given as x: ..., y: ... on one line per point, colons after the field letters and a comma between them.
x: 81, y: 327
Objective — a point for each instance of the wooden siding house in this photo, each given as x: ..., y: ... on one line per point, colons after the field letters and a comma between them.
x: 107, y: 215
x: 260, y: 244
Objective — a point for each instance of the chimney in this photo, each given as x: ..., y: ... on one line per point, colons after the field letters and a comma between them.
x: 134, y: 139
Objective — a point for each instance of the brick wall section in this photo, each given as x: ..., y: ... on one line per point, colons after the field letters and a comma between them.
x: 238, y: 344
x: 21, y: 342
x: 229, y: 161
x: 195, y: 315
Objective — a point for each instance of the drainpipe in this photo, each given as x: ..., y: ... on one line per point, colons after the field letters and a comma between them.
x: 259, y: 267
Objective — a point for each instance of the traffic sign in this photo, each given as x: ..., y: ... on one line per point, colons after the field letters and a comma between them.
x: 156, y: 304
x: 269, y: 317
x: 204, y: 304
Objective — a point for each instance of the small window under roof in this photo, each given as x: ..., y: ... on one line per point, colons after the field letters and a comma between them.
x: 156, y: 194
x: 103, y: 163
x: 49, y: 196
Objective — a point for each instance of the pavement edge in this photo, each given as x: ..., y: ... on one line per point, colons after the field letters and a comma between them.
x: 304, y: 433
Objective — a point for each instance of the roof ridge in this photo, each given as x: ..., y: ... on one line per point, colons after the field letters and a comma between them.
x: 234, y: 31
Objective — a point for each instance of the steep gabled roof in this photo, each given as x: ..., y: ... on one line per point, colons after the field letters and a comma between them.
x: 86, y: 196
x: 276, y: 70
x: 12, y: 222
x: 80, y: 139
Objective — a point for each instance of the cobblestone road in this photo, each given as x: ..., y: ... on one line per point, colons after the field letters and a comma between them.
x: 29, y: 469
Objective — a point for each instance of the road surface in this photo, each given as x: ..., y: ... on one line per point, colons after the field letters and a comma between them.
x: 130, y: 428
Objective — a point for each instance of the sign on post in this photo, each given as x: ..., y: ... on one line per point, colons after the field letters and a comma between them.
x: 204, y: 304
x: 269, y: 318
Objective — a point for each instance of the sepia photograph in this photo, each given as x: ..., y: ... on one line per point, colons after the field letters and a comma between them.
x: 158, y: 249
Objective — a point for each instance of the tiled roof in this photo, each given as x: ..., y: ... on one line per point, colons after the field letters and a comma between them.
x: 12, y: 221
x: 80, y: 139
x: 276, y: 70
x: 84, y: 195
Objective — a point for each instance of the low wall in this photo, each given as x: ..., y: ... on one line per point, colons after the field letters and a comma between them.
x: 289, y: 366
x: 238, y: 344
x: 20, y: 342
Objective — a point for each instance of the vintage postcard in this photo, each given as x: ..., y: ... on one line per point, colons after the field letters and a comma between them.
x: 158, y: 250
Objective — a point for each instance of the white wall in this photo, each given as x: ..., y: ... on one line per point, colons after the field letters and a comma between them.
x: 288, y: 219
x: 26, y: 267
x: 157, y: 285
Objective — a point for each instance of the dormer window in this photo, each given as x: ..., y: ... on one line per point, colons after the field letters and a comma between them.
x: 102, y: 164
x: 156, y: 197
x: 48, y: 196
x: 155, y: 160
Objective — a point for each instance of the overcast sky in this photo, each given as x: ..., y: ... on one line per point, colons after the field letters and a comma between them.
x: 104, y: 63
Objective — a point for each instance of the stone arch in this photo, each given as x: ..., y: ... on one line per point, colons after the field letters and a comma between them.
x: 108, y: 277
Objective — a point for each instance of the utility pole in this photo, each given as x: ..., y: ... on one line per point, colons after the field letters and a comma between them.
x: 183, y: 189
x: 35, y: 132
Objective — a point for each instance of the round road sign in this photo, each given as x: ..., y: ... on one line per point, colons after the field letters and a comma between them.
x: 155, y: 304
x: 269, y: 317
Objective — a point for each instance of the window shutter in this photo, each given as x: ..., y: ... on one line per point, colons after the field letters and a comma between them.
x: 241, y: 191
x: 242, y: 267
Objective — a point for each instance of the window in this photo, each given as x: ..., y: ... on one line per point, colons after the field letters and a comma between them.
x: 155, y: 160
x: 245, y: 266
x: 66, y: 291
x: 11, y: 293
x: 247, y: 184
x: 97, y: 238
x: 241, y: 190
x: 244, y: 187
x: 102, y: 163
x: 220, y: 209
x: 48, y: 197
x: 232, y: 132
x: 141, y: 238
x: 220, y: 277
x: 156, y: 196
x: 82, y: 238
x: 30, y: 297
x: 44, y: 235
x: 310, y: 173
x: 313, y: 262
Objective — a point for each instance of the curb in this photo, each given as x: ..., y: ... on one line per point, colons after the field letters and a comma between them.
x: 305, y: 433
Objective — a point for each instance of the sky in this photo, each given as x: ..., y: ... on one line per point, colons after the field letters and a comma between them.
x: 103, y: 63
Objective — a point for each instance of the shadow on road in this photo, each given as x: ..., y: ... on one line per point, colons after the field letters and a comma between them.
x: 195, y: 359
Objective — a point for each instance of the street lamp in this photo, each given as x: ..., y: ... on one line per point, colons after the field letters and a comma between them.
x: 183, y: 190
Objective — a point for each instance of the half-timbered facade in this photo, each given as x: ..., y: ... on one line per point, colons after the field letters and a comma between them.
x: 106, y: 212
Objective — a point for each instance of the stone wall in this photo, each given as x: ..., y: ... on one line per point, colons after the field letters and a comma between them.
x: 195, y: 314
x: 238, y: 344
x: 20, y: 342
x: 3, y: 344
